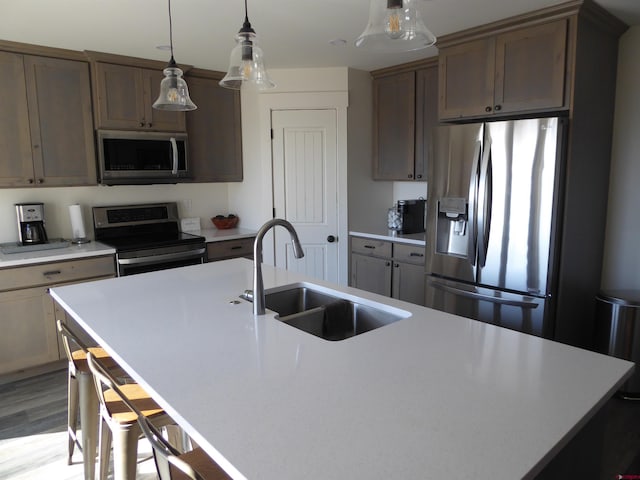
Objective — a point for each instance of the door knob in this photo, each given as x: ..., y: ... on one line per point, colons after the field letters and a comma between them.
x: 331, y: 239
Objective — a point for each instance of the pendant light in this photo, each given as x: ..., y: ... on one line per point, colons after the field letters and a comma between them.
x: 174, y: 94
x: 246, y: 62
x: 395, y: 26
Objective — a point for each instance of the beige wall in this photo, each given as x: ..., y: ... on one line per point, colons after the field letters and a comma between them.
x: 197, y: 200
x: 621, y: 268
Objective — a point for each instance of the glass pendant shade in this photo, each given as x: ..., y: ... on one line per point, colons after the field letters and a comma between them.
x: 246, y: 65
x: 395, y: 26
x: 174, y: 94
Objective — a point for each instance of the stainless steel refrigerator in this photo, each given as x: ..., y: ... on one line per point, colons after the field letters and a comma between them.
x: 493, y: 203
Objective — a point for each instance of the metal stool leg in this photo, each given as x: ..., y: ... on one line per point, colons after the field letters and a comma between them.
x: 72, y: 413
x: 88, y: 422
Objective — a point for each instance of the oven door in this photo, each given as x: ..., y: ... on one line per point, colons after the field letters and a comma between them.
x: 151, y: 260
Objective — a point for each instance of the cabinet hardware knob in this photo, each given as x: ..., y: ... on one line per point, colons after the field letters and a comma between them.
x: 388, y: 264
x: 419, y: 176
x: 40, y: 180
x: 30, y: 181
x: 142, y: 124
x: 36, y: 146
x: 150, y: 124
x: 396, y: 265
x: 487, y: 109
x: 410, y: 175
x: 331, y: 239
x: 497, y: 108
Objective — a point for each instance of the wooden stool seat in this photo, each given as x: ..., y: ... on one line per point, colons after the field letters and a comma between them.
x: 80, y: 358
x: 201, y: 463
x: 119, y: 410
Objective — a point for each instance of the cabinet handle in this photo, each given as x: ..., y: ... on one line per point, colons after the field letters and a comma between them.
x: 142, y: 124
x: 150, y: 124
x: 415, y: 254
x: 40, y: 180
x: 396, y: 265
x: 388, y: 264
x: 370, y: 246
x: 410, y: 175
x: 419, y: 176
x: 236, y: 247
x: 487, y: 109
x: 497, y: 108
x: 30, y: 181
x: 51, y: 272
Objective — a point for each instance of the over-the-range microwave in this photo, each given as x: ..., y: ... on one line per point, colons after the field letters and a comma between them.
x: 135, y: 158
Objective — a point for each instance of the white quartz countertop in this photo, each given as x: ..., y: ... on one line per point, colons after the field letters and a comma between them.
x: 430, y: 396
x: 390, y: 235
x: 91, y: 249
x: 215, y: 235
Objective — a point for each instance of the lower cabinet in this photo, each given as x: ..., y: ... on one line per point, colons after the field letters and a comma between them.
x: 28, y: 313
x: 388, y: 268
x: 225, y: 249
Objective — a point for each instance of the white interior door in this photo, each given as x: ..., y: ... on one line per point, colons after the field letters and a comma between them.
x: 305, y: 187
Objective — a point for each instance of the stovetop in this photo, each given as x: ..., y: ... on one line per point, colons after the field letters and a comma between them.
x: 139, y: 242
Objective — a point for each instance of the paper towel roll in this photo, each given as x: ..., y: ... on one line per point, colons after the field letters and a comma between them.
x: 77, y: 224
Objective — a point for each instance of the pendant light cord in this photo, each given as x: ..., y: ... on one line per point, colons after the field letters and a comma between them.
x: 172, y: 61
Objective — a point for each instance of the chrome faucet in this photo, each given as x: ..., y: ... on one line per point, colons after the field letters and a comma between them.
x: 258, y: 285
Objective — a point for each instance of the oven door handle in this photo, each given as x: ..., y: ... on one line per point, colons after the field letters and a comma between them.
x: 163, y: 257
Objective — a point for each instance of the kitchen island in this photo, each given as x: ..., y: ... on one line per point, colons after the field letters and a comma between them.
x: 430, y: 396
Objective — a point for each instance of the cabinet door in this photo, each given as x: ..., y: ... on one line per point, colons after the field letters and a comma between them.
x: 394, y: 127
x: 162, y: 120
x: 467, y: 79
x: 60, y: 117
x: 16, y: 164
x: 120, y: 94
x: 530, y: 68
x: 371, y: 274
x: 28, y: 329
x: 426, y: 118
x: 408, y: 282
x: 215, y: 135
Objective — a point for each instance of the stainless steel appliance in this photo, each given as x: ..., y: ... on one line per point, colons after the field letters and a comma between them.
x: 142, y: 157
x: 31, y: 229
x: 412, y: 216
x: 147, y: 237
x: 493, y: 226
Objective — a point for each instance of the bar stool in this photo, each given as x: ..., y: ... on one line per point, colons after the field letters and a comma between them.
x: 121, y: 423
x: 172, y: 465
x: 81, y: 392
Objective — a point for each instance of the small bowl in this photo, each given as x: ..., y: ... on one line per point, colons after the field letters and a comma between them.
x: 224, y: 223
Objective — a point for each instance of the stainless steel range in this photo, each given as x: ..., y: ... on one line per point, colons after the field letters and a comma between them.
x: 147, y: 237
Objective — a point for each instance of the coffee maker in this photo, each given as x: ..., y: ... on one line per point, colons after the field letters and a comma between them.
x: 31, y: 229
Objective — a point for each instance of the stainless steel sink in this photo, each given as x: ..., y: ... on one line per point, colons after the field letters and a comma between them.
x: 328, y: 314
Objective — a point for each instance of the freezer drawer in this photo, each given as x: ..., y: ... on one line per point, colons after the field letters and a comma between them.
x: 517, y: 312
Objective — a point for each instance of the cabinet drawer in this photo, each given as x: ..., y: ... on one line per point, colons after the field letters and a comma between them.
x: 371, y: 247
x: 409, y: 253
x: 56, y: 272
x: 241, y: 247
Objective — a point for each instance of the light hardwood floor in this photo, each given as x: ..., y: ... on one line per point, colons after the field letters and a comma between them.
x: 33, y: 432
x: 33, y: 439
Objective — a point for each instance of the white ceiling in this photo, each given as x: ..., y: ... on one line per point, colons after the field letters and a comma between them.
x: 292, y: 33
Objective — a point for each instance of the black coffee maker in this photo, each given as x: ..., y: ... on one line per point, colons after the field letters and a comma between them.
x: 31, y: 229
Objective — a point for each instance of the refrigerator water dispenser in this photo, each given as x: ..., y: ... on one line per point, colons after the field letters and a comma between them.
x: 451, y: 226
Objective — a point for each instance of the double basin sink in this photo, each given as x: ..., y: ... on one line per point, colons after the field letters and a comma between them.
x: 327, y: 313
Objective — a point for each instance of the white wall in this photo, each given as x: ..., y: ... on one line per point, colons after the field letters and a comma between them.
x: 203, y: 200
x: 621, y: 268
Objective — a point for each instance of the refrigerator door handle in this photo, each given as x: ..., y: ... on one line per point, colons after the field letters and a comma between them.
x: 484, y: 204
x: 480, y: 296
x: 473, y: 206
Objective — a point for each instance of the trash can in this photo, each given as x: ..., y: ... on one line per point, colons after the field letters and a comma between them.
x: 618, y: 332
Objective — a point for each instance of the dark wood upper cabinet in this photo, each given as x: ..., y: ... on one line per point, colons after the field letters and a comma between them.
x: 394, y: 126
x: 214, y: 129
x: 516, y: 71
x: 46, y: 122
x: 124, y: 95
x: 405, y: 115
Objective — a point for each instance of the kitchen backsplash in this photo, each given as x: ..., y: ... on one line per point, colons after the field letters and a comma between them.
x: 203, y: 200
